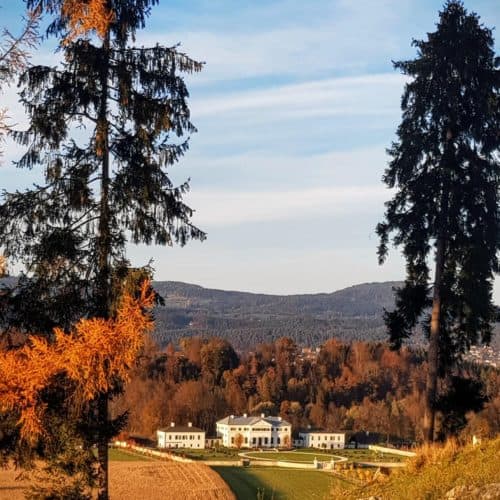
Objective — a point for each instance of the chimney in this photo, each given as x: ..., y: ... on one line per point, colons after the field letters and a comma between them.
x: 245, y: 415
x: 190, y: 424
x: 262, y: 415
x: 279, y: 419
x: 172, y: 424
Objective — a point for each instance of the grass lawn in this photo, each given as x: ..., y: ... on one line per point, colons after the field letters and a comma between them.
x: 221, y: 454
x: 116, y: 455
x: 292, y: 456
x: 368, y: 455
x: 307, y: 455
x: 278, y: 484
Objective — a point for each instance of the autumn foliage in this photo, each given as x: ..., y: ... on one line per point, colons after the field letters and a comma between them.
x: 92, y: 356
x: 86, y: 16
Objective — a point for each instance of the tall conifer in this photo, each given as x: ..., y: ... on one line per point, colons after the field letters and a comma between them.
x: 445, y: 168
x: 104, y: 126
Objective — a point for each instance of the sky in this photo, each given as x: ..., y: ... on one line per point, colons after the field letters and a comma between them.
x: 295, y: 107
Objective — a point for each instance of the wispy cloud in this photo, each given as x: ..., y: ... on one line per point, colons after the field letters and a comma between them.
x: 222, y: 208
x: 334, y: 96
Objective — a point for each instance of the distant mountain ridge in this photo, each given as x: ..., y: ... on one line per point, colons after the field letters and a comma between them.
x: 247, y: 318
x: 366, y: 299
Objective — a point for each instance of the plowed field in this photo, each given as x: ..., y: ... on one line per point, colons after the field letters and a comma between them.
x: 152, y: 480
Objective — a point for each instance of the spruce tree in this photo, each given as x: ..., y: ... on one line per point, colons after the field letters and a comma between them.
x: 445, y: 168
x: 104, y: 126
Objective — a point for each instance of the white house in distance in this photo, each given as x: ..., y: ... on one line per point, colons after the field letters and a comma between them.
x: 181, y: 436
x: 322, y: 439
x: 254, y: 432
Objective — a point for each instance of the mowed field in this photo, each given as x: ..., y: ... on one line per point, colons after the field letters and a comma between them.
x: 292, y: 456
x: 143, y: 479
x: 273, y: 483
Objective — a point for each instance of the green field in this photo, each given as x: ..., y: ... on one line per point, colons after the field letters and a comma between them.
x: 220, y: 454
x: 278, y: 484
x: 291, y: 456
x: 307, y: 456
x: 368, y: 455
x: 117, y: 455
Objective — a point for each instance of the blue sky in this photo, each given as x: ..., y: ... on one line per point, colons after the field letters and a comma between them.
x: 295, y: 108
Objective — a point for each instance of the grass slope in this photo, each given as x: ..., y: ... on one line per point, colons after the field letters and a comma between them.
x: 435, y: 471
x: 277, y: 484
x: 116, y: 455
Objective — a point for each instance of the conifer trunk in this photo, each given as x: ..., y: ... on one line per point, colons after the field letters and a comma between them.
x: 433, y: 353
x: 437, y: 298
x: 104, y: 249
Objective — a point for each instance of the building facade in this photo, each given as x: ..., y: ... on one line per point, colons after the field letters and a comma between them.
x: 254, y: 432
x: 322, y: 439
x: 181, y: 436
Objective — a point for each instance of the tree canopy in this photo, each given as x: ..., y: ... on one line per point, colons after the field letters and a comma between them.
x: 105, y: 126
x: 445, y: 168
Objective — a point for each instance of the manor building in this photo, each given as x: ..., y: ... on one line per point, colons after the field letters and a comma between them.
x: 322, y: 439
x: 181, y: 436
x: 254, y: 432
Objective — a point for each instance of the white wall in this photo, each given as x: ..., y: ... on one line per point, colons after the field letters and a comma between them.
x: 195, y: 440
x: 323, y: 440
x: 251, y: 436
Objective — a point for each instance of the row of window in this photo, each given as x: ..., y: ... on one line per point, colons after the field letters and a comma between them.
x: 263, y: 440
x: 264, y: 429
x: 184, y: 436
x: 325, y: 438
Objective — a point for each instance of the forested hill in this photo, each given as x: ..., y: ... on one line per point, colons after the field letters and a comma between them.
x: 247, y: 318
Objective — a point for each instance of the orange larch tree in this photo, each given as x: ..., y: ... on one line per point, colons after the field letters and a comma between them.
x: 93, y: 356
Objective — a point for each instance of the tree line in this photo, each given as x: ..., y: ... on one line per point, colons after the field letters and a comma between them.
x: 345, y: 386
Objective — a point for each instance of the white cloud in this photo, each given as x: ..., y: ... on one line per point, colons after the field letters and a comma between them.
x: 334, y: 96
x: 222, y: 208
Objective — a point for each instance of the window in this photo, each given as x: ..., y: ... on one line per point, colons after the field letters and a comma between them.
x: 232, y: 440
x: 254, y: 440
x: 246, y: 440
x: 272, y: 440
x: 265, y: 440
x: 279, y: 441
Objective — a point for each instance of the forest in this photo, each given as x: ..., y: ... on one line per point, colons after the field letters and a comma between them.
x: 347, y: 386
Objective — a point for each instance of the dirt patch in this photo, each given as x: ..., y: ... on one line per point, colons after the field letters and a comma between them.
x: 10, y: 486
x: 149, y: 480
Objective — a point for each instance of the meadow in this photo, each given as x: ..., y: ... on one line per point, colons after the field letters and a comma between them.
x: 273, y: 483
x: 308, y: 455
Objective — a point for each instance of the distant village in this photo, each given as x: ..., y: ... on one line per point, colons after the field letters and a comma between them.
x: 485, y: 355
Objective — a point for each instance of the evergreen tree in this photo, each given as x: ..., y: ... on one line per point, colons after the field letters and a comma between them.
x: 445, y: 167
x: 105, y: 185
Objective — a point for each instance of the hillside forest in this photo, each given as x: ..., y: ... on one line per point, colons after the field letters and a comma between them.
x: 349, y: 386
